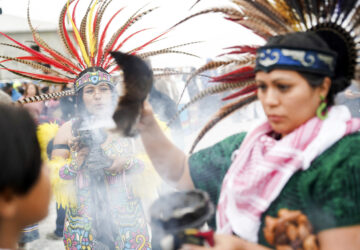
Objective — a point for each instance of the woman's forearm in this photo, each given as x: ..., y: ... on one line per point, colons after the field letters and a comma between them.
x: 168, y: 160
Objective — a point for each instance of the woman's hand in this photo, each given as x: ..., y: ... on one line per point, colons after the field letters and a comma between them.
x: 79, y: 152
x: 147, y: 118
x: 228, y: 242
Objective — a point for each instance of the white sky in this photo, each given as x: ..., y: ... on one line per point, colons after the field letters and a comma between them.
x: 214, y: 29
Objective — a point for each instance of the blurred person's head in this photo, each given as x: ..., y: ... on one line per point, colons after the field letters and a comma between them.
x: 24, y: 182
x: 8, y: 88
x: 4, y: 97
x: 31, y: 90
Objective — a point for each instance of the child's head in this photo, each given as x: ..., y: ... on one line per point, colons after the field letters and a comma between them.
x: 24, y: 183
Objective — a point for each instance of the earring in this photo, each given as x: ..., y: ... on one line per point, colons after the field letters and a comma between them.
x: 322, y: 111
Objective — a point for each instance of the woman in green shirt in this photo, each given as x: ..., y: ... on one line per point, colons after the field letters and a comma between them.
x: 304, y: 157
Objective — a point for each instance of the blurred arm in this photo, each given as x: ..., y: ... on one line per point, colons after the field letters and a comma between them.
x: 169, y: 161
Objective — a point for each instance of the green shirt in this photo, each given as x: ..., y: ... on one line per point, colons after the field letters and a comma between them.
x: 328, y: 192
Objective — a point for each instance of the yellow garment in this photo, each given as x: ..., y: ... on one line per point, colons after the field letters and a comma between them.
x: 146, y: 184
x: 45, y: 133
x: 63, y: 190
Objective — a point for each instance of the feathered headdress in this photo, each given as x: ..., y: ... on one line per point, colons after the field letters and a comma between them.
x: 336, y: 21
x: 87, y: 46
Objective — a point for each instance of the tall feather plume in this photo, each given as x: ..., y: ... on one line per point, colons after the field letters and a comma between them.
x: 56, y: 55
x: 83, y: 28
x: 91, y: 34
x: 206, y: 67
x: 221, y: 114
x: 109, y: 47
x: 40, y: 56
x: 102, y: 39
x: 102, y: 9
x: 78, y: 38
x: 34, y: 65
x: 135, y: 16
x: 62, y: 29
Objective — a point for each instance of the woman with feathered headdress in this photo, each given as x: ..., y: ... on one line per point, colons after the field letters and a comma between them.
x: 103, y: 180
x: 304, y: 157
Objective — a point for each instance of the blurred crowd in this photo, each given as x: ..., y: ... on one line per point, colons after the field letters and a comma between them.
x: 57, y: 111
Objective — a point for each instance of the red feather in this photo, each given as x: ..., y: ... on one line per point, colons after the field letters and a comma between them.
x: 57, y: 56
x: 44, y: 59
x: 73, y: 16
x: 42, y: 77
x: 102, y: 39
x: 107, y: 55
x: 243, y: 73
x: 244, y: 91
x: 68, y: 40
x: 108, y: 61
x: 235, y: 78
x: 116, y: 68
x: 147, y: 43
x: 127, y: 38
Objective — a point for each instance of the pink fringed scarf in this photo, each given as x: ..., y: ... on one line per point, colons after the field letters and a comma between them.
x: 263, y: 165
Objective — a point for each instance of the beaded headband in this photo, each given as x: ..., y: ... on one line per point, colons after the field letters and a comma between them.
x: 312, y: 61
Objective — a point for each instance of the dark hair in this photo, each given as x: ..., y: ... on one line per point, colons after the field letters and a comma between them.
x: 310, y: 40
x: 36, y: 88
x: 19, y: 150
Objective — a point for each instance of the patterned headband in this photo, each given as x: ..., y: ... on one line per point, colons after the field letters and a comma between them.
x: 312, y: 61
x: 93, y: 78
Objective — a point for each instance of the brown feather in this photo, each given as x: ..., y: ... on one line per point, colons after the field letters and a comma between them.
x: 44, y: 97
x: 13, y: 46
x: 209, y: 66
x: 134, y: 18
x: 29, y: 77
x: 35, y: 66
x: 83, y: 27
x: 42, y: 42
x: 61, y: 31
x: 254, y: 12
x: 221, y: 114
x: 227, y: 11
x: 164, y: 51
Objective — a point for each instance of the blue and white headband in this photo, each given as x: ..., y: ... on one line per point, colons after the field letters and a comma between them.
x: 312, y: 61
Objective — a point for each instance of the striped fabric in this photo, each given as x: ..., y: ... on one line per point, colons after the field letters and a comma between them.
x: 262, y: 166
